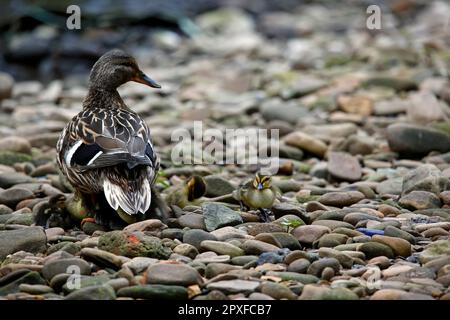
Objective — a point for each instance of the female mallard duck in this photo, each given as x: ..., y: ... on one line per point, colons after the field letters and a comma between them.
x: 105, y: 151
x: 257, y: 194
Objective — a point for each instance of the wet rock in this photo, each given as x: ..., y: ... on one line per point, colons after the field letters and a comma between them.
x: 100, y: 292
x: 15, y: 144
x: 217, y: 186
x: 395, y: 294
x: 331, y: 240
x: 186, y: 249
x: 277, y: 291
x: 309, y: 233
x: 139, y: 264
x: 9, y: 179
x: 154, y: 291
x: 214, y: 269
x: 287, y: 276
x: 192, y: 221
x: 306, y: 142
x: 13, y: 196
x: 196, y: 236
x: 407, y: 138
x: 426, y: 177
x: 435, y: 250
x: 32, y: 239
x: 35, y: 289
x: 222, y: 248
x: 299, y: 265
x: 217, y: 216
x: 418, y: 200
x: 67, y: 265
x: 341, y: 199
x: 355, y: 217
x: 133, y: 244
x: 424, y: 108
x: 172, y: 274
x: 395, y: 232
x: 400, y: 247
x: 345, y: 260
x: 12, y: 281
x: 375, y: 249
x: 6, y: 86
x: 152, y: 227
x: 343, y: 166
x: 257, y: 247
x: 318, y: 266
x: 390, y: 186
x: 355, y: 104
x: 279, y: 239
x: 102, y: 258
x: 234, y: 286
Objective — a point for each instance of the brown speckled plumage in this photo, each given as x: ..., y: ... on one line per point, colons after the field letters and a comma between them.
x: 106, y: 148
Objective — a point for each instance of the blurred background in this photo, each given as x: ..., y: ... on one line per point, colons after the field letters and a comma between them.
x: 36, y: 44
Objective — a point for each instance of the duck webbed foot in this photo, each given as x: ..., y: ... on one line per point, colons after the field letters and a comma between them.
x: 264, y: 214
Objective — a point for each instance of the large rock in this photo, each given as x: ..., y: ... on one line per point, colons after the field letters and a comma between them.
x: 306, y: 142
x: 217, y: 186
x: 343, y: 166
x: 400, y: 246
x: 425, y: 178
x: 154, y: 291
x: 418, y: 200
x: 32, y: 239
x: 217, y: 216
x: 341, y: 199
x: 13, y: 196
x: 15, y: 144
x: 12, y: 281
x: 173, y: 274
x: 98, y: 292
x: 310, y: 233
x: 222, y: 248
x: 6, y: 86
x: 67, y: 265
x: 196, y: 236
x: 133, y: 244
x: 412, y: 139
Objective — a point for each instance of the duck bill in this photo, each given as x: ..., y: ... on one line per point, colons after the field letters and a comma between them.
x: 144, y: 79
x: 260, y: 186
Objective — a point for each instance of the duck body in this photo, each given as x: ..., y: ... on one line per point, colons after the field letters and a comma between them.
x: 257, y: 194
x: 105, y: 151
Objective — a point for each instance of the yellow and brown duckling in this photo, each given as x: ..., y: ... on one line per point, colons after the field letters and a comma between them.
x: 61, y: 210
x: 257, y: 194
x: 190, y: 192
x: 105, y: 151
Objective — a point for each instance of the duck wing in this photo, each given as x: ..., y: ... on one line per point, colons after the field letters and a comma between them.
x: 98, y: 138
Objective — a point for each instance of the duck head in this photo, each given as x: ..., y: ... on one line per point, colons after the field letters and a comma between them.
x: 262, y: 182
x: 115, y: 68
x: 196, y: 187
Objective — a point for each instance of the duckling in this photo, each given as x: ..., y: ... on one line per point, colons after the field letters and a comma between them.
x: 61, y: 210
x: 257, y: 194
x: 188, y: 193
x: 105, y: 151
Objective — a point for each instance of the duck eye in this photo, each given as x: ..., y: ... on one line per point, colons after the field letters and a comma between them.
x: 127, y: 64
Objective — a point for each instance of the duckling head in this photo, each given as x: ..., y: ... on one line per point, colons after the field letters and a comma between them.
x: 262, y: 182
x: 115, y: 68
x: 196, y: 187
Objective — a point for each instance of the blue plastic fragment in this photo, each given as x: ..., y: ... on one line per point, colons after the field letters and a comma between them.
x: 370, y: 232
